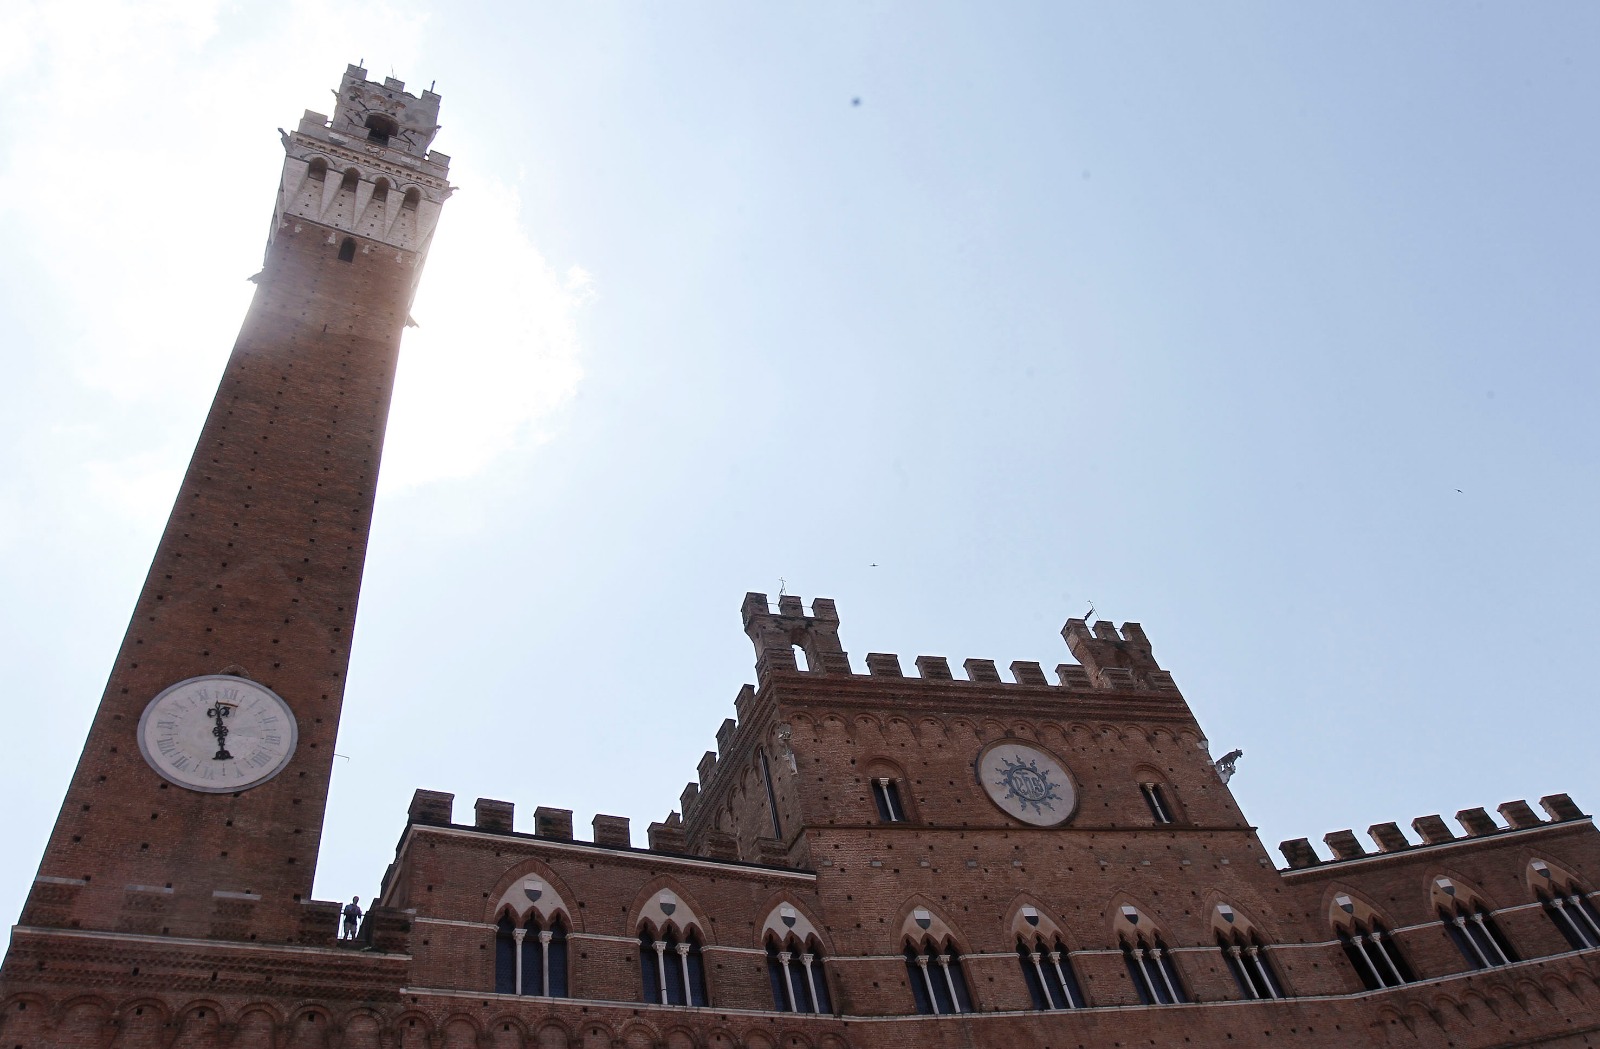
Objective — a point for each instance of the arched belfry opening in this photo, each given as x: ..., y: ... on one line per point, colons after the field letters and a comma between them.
x: 381, y: 128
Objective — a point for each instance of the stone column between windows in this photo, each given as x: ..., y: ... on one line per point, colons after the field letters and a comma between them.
x: 788, y: 985
x: 1066, y: 988
x: 544, y: 956
x: 927, y: 981
x: 1261, y: 968
x: 1237, y: 954
x: 1044, y: 985
x: 683, y: 963
x: 518, y: 935
x: 949, y: 981
x: 661, y: 969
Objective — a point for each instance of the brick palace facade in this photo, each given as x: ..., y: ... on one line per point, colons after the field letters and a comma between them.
x: 872, y: 856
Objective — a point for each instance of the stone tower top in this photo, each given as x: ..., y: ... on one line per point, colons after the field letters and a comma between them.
x: 368, y: 170
x: 381, y: 119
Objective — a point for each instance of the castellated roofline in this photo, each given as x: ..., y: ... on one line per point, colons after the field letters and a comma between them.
x: 1107, y: 659
x: 1390, y: 840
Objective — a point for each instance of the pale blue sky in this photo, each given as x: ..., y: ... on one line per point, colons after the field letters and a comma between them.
x: 1269, y: 326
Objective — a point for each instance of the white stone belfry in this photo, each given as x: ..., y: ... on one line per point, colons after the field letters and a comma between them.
x: 368, y: 171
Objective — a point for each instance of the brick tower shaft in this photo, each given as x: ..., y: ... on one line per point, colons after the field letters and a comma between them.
x: 258, y: 572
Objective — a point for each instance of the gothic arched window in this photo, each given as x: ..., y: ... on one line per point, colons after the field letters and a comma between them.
x: 886, y: 793
x: 1567, y: 905
x: 937, y: 982
x: 1474, y: 932
x: 1247, y: 960
x: 1150, y: 967
x: 1155, y: 797
x: 672, y: 969
x: 795, y: 972
x: 1047, y: 970
x: 531, y: 959
x: 1376, y: 957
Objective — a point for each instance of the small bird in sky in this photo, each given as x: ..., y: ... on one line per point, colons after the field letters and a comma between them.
x: 873, y: 565
x: 1459, y: 490
x: 856, y: 101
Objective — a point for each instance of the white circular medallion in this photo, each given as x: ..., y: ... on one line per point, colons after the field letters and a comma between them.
x: 218, y: 733
x: 1026, y: 782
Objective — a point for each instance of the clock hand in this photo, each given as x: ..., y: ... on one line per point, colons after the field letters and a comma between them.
x: 218, y: 712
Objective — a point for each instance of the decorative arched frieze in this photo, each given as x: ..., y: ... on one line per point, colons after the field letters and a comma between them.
x: 663, y: 904
x: 920, y: 924
x: 788, y: 918
x: 531, y: 886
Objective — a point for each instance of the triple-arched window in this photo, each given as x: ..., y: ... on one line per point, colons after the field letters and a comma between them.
x: 1376, y: 957
x: 795, y: 971
x: 531, y: 958
x: 937, y: 982
x: 1047, y: 970
x: 1247, y: 959
x: 672, y: 968
x: 1567, y: 905
x: 1150, y: 967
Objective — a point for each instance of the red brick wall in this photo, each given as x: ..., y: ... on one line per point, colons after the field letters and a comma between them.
x: 259, y: 567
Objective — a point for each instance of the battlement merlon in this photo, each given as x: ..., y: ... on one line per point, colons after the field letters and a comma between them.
x: 377, y: 126
x: 367, y: 171
x: 775, y: 635
x: 1111, y: 658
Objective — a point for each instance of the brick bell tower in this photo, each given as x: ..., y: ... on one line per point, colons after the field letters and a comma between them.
x: 197, y: 805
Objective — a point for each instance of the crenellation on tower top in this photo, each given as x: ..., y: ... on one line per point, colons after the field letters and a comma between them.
x: 367, y: 170
x: 776, y: 635
x: 1115, y: 660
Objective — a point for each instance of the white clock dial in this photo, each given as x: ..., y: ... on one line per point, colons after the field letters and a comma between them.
x: 218, y: 733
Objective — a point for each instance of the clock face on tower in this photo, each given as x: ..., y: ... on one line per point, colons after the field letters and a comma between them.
x: 218, y: 733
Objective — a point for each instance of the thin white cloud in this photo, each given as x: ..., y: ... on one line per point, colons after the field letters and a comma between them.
x: 497, y: 350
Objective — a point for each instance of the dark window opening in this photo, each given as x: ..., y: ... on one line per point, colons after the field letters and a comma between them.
x: 672, y: 971
x: 1047, y: 970
x: 318, y: 170
x: 1154, y: 976
x: 531, y: 959
x: 1157, y: 801
x: 937, y: 982
x: 409, y: 202
x: 1575, y: 916
x: 1252, y: 970
x: 1476, y: 936
x: 795, y: 972
x: 887, y: 795
x: 381, y: 128
x: 352, y: 179
x: 347, y: 250
x: 1377, y: 959
x: 772, y: 797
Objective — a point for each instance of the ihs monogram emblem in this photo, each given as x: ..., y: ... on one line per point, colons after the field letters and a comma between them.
x: 1027, y: 783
